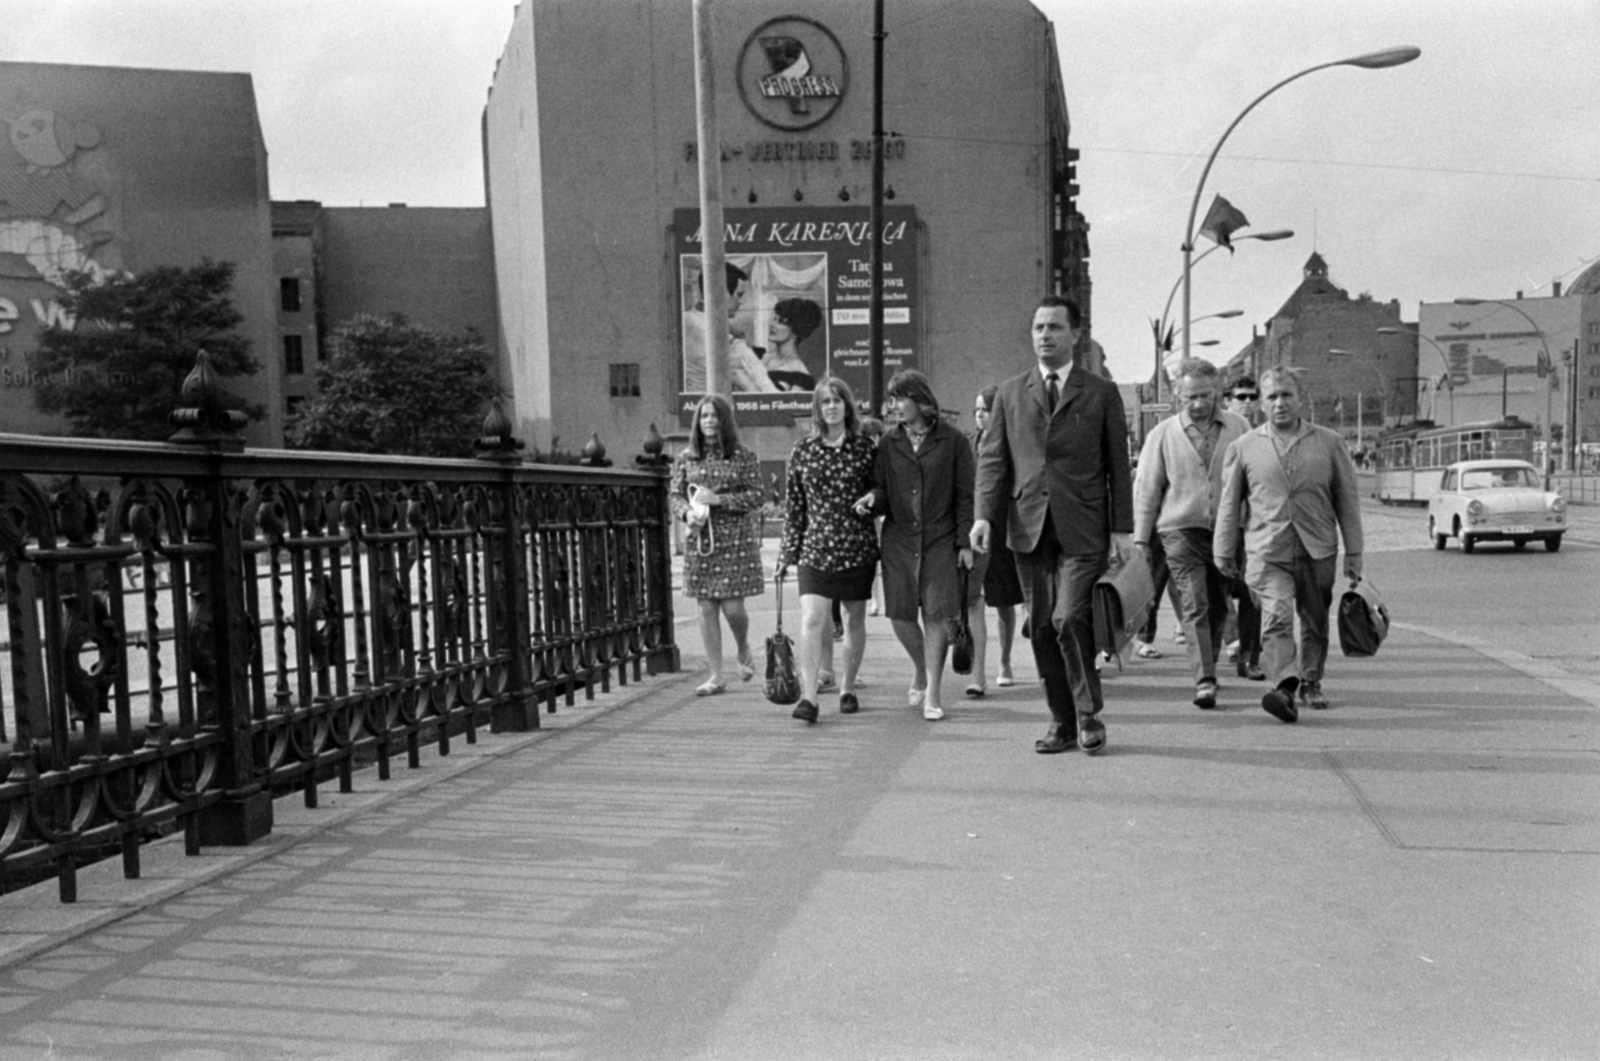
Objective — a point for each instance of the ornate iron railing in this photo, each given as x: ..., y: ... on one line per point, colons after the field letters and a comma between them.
x: 191, y: 627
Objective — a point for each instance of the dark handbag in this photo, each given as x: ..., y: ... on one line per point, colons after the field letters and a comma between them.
x: 783, y: 684
x: 1363, y: 619
x: 960, y: 633
x: 1122, y: 599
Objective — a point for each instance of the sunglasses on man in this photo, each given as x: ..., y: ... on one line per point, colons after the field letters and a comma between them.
x: 1245, y: 396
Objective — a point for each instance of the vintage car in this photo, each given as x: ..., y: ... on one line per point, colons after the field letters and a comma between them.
x: 1495, y: 500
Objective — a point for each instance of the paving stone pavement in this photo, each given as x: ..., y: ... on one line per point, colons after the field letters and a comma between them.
x: 1413, y: 874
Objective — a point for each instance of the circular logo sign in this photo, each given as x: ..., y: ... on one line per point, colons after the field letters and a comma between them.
x: 792, y: 73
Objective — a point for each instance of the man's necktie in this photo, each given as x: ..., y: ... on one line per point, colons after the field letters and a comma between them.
x: 1052, y: 389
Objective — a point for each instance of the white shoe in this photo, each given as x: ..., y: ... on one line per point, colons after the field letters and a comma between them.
x: 914, y: 696
x: 1233, y: 651
x: 932, y: 713
x: 1005, y: 680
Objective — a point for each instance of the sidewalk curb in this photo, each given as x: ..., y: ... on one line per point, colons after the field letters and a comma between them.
x: 1574, y: 685
x: 33, y: 921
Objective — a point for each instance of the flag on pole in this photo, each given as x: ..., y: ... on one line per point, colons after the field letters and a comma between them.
x: 1222, y: 221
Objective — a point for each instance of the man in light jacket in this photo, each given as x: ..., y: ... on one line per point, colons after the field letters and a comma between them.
x: 1292, y: 487
x: 1175, y: 495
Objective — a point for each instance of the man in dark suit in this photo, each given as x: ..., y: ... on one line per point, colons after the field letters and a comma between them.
x: 1053, y: 477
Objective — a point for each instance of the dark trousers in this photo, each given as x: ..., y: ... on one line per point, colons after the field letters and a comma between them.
x: 1061, y: 587
x: 1202, y: 596
x: 1162, y: 577
x: 1249, y: 617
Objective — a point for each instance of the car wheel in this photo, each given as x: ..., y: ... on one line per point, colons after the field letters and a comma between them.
x: 1433, y: 532
x: 1553, y: 545
x: 1519, y: 543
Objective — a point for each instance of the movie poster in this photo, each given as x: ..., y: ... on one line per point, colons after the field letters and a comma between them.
x: 799, y: 293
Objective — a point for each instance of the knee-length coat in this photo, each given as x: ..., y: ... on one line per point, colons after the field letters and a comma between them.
x: 925, y: 496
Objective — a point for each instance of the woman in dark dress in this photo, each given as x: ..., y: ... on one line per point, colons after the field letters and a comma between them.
x: 831, y: 539
x: 923, y: 482
x: 716, y: 485
x: 994, y: 583
x: 793, y: 319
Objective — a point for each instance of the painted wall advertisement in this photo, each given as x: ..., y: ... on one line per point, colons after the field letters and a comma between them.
x: 799, y: 283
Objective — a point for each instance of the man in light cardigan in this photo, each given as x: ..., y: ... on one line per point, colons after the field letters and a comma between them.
x: 1291, y: 486
x: 1176, y: 494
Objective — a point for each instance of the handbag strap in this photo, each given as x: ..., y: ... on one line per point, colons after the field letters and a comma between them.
x: 778, y: 584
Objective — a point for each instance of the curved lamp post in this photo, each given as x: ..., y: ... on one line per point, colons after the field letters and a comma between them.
x: 1371, y: 61
x: 1550, y: 366
x: 1444, y: 356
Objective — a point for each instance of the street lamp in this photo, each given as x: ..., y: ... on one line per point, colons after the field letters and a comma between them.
x: 1444, y: 356
x: 1371, y: 61
x: 1549, y: 365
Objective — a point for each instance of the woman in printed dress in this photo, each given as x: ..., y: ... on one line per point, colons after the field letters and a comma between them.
x: 831, y: 538
x: 923, y: 482
x: 716, y: 486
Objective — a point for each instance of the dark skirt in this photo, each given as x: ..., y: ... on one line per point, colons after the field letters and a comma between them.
x: 853, y: 583
x: 1002, y: 586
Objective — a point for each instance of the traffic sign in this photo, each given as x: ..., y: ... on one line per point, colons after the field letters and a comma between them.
x: 1156, y: 407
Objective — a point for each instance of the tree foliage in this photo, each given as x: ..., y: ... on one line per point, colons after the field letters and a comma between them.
x: 391, y: 386
x: 120, y: 370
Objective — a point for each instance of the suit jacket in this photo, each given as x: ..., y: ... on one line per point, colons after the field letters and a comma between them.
x: 1070, y: 466
x: 1309, y: 494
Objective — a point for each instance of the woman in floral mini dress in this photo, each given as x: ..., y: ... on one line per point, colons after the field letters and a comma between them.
x: 716, y: 485
x: 831, y: 537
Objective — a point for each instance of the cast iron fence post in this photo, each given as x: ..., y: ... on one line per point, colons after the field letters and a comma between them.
x: 220, y: 654
x: 517, y: 708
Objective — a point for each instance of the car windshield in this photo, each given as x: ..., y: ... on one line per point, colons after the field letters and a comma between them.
x: 1487, y: 478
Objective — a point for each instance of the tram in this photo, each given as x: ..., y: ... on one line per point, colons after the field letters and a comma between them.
x: 1412, y: 459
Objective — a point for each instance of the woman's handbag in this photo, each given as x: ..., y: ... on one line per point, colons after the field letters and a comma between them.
x: 783, y: 684
x: 960, y: 633
x: 1363, y: 619
x: 1122, y: 599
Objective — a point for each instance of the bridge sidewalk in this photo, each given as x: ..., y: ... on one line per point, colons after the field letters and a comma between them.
x: 1411, y: 874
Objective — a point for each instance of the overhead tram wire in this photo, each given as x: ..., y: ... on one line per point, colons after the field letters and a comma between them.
x: 1352, y: 165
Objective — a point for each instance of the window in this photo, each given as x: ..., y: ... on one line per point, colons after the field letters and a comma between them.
x: 294, y: 358
x: 289, y: 294
x: 625, y: 380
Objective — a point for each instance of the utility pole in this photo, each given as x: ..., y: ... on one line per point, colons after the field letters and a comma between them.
x: 713, y: 271
x: 875, y: 222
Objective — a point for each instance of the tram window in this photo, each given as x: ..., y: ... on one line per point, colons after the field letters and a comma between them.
x: 1448, y: 451
x: 1449, y: 481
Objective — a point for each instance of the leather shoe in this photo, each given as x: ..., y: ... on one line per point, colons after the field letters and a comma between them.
x: 1279, y: 703
x: 1205, y: 695
x: 1092, y: 736
x: 805, y: 711
x: 848, y: 704
x: 1057, y: 739
x: 1311, y: 693
x: 1249, y: 668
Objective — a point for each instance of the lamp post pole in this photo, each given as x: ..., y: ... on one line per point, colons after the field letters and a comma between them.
x: 1372, y: 61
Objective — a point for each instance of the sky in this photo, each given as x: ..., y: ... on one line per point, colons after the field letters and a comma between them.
x: 1473, y: 171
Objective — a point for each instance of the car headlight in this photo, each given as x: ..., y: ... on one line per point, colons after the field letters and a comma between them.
x: 1474, y: 509
x: 1558, y: 505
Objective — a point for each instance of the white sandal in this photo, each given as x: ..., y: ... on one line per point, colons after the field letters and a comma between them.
x: 711, y: 687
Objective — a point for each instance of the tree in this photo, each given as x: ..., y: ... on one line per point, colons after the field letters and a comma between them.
x: 120, y: 370
x: 390, y: 386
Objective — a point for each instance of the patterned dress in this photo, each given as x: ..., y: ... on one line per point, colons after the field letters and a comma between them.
x: 821, y: 528
x: 722, y: 560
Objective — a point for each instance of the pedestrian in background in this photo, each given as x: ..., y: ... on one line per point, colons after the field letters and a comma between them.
x: 923, y: 480
x: 833, y: 543
x: 1175, y: 497
x: 994, y: 583
x: 1290, y: 486
x: 1244, y: 625
x: 1054, y: 484
x: 716, y: 485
